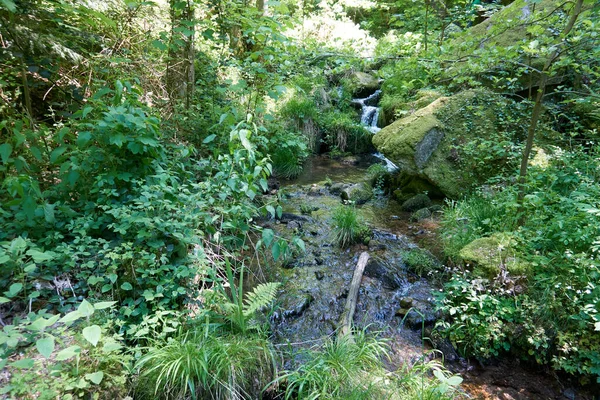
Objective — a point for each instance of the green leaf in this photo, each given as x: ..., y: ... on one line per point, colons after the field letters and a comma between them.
x: 271, y: 210
x: 126, y: 286
x: 267, y: 236
x: 117, y: 139
x: 209, y: 138
x: 276, y: 251
x: 45, y: 346
x: 4, y: 300
x: 40, y: 257
x: 83, y: 138
x: 14, y: 289
x: 56, y: 153
x: 92, y: 334
x: 5, y: 150
x: 86, y: 111
x: 85, y: 309
x: 104, y: 304
x: 70, y: 317
x: 23, y: 364
x: 96, y: 377
x: 243, y: 135
x: 300, y: 243
x: 67, y: 353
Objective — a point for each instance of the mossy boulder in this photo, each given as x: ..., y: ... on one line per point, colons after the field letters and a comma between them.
x: 490, y: 255
x: 420, y: 215
x: 417, y: 202
x: 358, y: 193
x: 362, y: 84
x: 510, y: 27
x: 427, y: 145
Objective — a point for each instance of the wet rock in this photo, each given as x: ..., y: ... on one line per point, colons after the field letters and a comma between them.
x: 362, y: 84
x: 389, y: 275
x: 415, y: 320
x: 416, y: 203
x: 375, y: 245
x: 298, y: 306
x: 272, y: 184
x: 293, y: 225
x: 319, y: 274
x: 336, y: 188
x: 420, y: 215
x: 406, y: 302
x: 350, y: 160
x: 358, y: 193
x: 314, y: 190
x: 287, y: 217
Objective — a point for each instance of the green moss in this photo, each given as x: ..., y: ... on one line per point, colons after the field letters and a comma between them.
x: 488, y: 255
x: 420, y: 261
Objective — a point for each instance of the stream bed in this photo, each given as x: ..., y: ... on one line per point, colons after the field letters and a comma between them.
x: 316, y: 283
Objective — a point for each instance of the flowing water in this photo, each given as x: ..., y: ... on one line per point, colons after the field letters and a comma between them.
x: 316, y: 282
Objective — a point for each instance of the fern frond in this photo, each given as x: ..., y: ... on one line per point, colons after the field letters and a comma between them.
x: 261, y: 296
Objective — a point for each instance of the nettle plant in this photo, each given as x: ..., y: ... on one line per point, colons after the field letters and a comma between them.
x: 82, y: 356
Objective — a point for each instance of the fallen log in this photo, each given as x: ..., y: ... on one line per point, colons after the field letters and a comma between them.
x: 348, y: 314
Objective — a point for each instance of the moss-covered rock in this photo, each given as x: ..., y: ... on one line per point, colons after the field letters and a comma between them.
x: 358, y: 193
x: 362, y: 84
x: 427, y: 144
x: 490, y: 255
x: 417, y: 202
x: 420, y: 215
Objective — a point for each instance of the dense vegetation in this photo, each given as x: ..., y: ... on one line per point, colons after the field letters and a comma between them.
x: 138, y: 139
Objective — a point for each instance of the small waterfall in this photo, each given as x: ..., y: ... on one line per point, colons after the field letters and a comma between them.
x: 369, y: 118
x: 370, y: 111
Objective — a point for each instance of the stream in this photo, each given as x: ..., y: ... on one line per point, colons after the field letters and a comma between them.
x: 316, y: 282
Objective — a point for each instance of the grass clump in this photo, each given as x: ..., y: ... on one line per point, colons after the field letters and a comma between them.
x: 202, y: 365
x: 341, y: 368
x: 348, y: 227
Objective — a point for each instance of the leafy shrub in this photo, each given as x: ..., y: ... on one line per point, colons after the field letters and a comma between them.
x: 553, y: 316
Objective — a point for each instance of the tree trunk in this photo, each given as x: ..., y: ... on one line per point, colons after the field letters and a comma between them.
x: 180, y: 77
x: 537, y: 108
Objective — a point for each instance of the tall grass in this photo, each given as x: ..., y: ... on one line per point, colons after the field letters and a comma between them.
x: 341, y: 368
x: 348, y: 228
x: 202, y: 365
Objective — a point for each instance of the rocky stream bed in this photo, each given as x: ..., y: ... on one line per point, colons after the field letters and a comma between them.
x: 316, y: 282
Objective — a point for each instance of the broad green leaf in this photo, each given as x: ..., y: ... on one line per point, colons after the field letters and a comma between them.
x: 96, y: 377
x: 83, y: 138
x: 92, y: 334
x: 271, y: 210
x: 300, y: 243
x: 86, y: 309
x: 104, y: 304
x: 14, y: 289
x: 112, y: 346
x: 209, y: 138
x: 40, y: 257
x: 5, y: 150
x: 45, y: 346
x: 56, y: 153
x: 70, y: 317
x: 276, y: 251
x: 4, y: 300
x: 67, y: 353
x: 126, y: 286
x: 9, y: 5
x: 267, y: 236
x: 23, y: 364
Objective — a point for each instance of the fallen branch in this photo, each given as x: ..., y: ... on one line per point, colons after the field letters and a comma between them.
x: 348, y: 314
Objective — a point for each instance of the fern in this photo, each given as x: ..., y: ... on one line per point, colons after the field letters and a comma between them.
x: 260, y: 297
